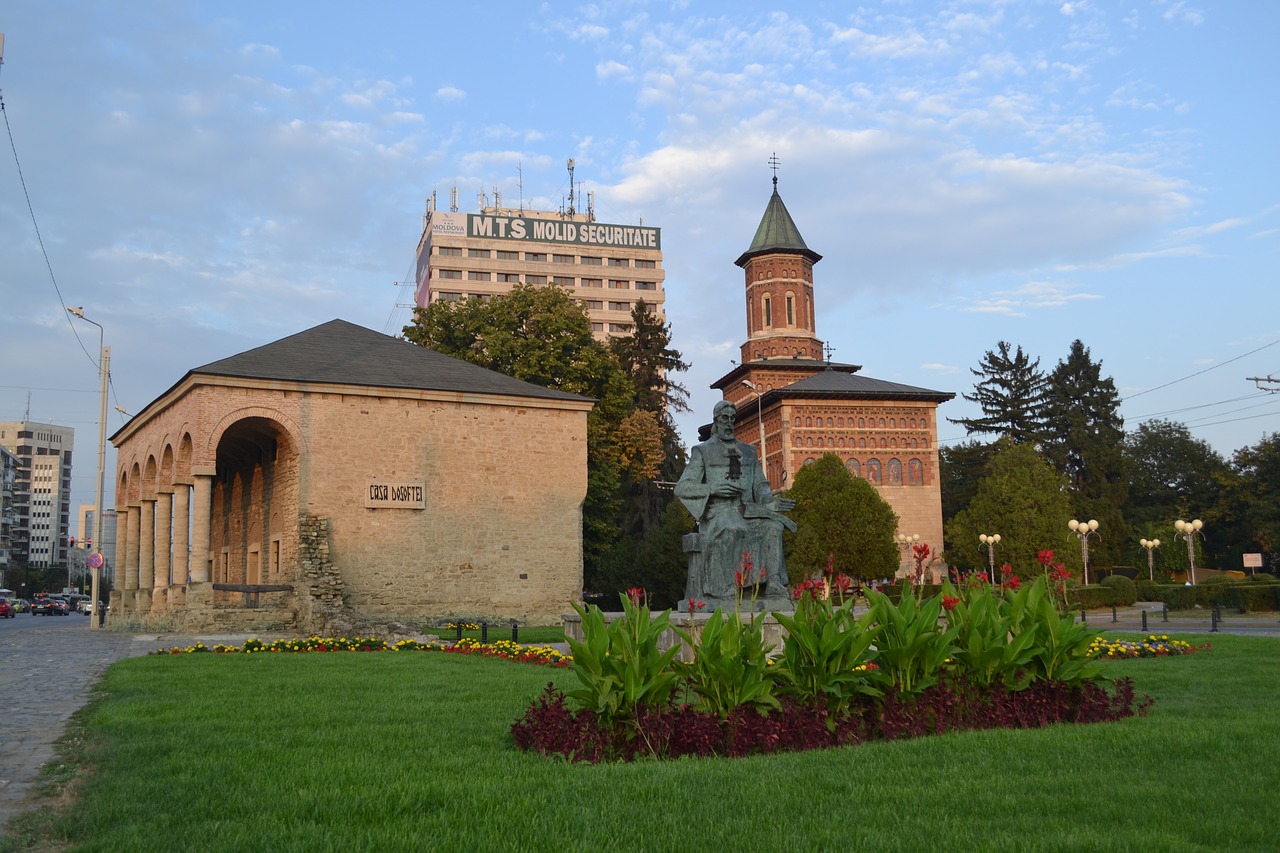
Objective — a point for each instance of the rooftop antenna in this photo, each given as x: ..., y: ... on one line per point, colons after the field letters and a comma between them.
x: 497, y: 199
x: 774, y: 163
x: 520, y: 182
x: 453, y: 199
x: 591, y: 206
x: 26, y: 415
x: 569, y: 163
x: 482, y: 199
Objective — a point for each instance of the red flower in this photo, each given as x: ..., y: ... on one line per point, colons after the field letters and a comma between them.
x: 1044, y: 557
x: 695, y: 605
x: 830, y: 570
x: 637, y: 595
x: 949, y: 602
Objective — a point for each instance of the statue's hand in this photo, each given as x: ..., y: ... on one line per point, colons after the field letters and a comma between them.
x: 728, y: 490
x: 784, y: 504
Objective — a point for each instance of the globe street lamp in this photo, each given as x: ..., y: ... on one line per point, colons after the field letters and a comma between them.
x: 1188, y: 530
x: 1151, y: 545
x: 905, y: 542
x: 991, y: 542
x: 1082, y: 530
x: 764, y: 459
x: 104, y: 373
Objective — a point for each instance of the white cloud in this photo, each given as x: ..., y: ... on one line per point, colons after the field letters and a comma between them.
x: 450, y: 94
x: 612, y: 68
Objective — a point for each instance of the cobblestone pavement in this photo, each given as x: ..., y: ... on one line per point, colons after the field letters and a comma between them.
x: 47, y: 667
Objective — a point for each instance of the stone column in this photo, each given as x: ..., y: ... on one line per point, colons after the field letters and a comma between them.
x: 201, y: 507
x: 147, y: 546
x: 133, y: 522
x: 181, y: 534
x: 120, y: 559
x: 164, y: 538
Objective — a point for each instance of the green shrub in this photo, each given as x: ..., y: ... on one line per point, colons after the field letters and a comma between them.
x: 1255, y: 597
x: 1262, y: 577
x: 1124, y: 590
x: 1214, y: 580
x: 1147, y: 590
x: 1092, y: 596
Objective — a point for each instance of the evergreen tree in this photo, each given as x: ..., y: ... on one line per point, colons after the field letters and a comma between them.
x: 1248, y: 516
x: 1025, y: 501
x: 1011, y: 394
x: 841, y: 515
x: 1086, y: 445
x: 961, y: 468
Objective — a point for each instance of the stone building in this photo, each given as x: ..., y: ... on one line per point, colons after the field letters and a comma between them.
x: 339, y: 476
x: 807, y: 406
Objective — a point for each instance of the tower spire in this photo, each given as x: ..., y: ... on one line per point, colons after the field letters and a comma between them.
x: 774, y: 163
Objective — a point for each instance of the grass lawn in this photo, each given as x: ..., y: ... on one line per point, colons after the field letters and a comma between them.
x: 410, y: 751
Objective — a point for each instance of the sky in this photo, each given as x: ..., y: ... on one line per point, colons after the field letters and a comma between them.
x: 207, y: 177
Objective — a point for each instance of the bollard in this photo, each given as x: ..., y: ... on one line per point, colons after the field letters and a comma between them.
x: 1213, y: 620
x: 484, y: 632
x: 1114, y: 617
x: 1164, y: 611
x: 515, y: 633
x: 1144, y: 620
x: 459, y: 627
x: 1083, y: 618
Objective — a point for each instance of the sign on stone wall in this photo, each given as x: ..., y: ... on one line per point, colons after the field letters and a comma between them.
x: 395, y: 494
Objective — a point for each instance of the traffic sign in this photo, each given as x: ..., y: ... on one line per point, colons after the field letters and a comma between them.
x: 96, y: 561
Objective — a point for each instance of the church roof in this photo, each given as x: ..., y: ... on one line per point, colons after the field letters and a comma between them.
x: 777, y: 233
x: 834, y: 383
x: 343, y: 353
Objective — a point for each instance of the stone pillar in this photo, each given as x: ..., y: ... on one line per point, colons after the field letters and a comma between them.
x: 121, y: 557
x: 132, y: 539
x: 181, y: 534
x: 201, y: 510
x: 164, y: 538
x: 147, y: 546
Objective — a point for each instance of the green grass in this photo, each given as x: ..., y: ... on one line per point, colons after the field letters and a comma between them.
x: 410, y: 751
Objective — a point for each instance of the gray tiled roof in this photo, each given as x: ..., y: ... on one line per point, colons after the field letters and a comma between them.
x: 777, y: 232
x: 343, y: 353
x: 838, y: 383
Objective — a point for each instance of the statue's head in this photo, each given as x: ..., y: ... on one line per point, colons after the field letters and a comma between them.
x: 723, y: 419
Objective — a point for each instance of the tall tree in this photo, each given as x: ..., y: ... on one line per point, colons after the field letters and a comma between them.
x: 1011, y: 394
x: 1249, y: 516
x: 842, y: 515
x: 1025, y: 501
x: 961, y: 468
x: 1086, y: 445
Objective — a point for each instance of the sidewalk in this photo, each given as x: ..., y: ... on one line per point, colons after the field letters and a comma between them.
x: 1199, y: 621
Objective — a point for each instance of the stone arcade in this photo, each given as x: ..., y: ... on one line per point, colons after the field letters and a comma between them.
x: 340, y: 475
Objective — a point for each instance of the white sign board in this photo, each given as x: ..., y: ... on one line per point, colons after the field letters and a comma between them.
x: 1253, y: 561
x: 392, y: 494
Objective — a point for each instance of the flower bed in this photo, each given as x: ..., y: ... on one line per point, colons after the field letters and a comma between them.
x: 504, y: 649
x: 970, y: 658
x: 1152, y: 647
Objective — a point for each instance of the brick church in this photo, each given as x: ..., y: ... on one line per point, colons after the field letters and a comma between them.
x: 807, y: 405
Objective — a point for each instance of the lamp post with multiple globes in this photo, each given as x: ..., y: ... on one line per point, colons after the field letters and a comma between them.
x: 991, y: 541
x: 1151, y: 545
x: 1083, y: 530
x: 1187, y: 530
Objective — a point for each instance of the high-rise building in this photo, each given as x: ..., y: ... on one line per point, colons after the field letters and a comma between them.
x: 8, y: 512
x: 42, y: 491
x: 607, y: 268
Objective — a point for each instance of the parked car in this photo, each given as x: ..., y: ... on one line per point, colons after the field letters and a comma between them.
x: 48, y: 606
x: 7, y: 610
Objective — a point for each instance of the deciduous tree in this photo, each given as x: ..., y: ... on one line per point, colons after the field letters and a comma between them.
x: 842, y: 515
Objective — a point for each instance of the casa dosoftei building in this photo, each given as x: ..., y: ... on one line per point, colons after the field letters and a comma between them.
x: 806, y: 406
x: 340, y: 476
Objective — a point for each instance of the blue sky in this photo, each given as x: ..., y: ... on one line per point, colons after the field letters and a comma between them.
x: 211, y: 176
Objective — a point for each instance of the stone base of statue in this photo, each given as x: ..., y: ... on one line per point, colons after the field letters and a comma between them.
x: 761, y: 604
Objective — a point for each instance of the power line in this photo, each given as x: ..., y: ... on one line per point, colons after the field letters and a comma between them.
x: 1199, y: 372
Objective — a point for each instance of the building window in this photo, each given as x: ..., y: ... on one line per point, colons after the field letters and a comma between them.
x: 472, y: 275
x: 504, y: 255
x: 590, y: 261
x: 539, y: 257
x: 645, y: 265
x: 791, y: 311
x: 619, y: 327
x: 809, y: 461
x: 447, y: 296
x: 562, y: 280
x: 646, y: 285
x: 593, y: 304
x: 619, y: 262
x: 535, y: 279
x: 618, y: 284
x: 620, y: 306
x: 592, y: 282
x: 509, y: 277
x: 768, y: 312
x: 479, y: 253
x: 454, y: 251
x: 597, y: 327
x: 562, y: 259
x: 895, y: 472
x: 449, y: 274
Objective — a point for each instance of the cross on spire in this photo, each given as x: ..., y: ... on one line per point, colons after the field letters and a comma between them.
x: 828, y: 349
x: 774, y: 163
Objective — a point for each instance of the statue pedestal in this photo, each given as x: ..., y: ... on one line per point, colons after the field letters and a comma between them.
x: 762, y: 604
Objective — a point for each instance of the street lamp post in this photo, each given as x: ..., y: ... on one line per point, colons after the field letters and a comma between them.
x: 1083, y: 530
x: 1151, y: 545
x: 104, y: 374
x: 991, y: 542
x: 1188, y: 530
x: 764, y: 457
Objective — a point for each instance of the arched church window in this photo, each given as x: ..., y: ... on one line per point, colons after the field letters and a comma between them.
x: 895, y: 472
x: 797, y: 420
x: 862, y: 423
x: 873, y: 471
x: 915, y: 472
x: 768, y: 311
x: 791, y: 310
x: 855, y: 467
